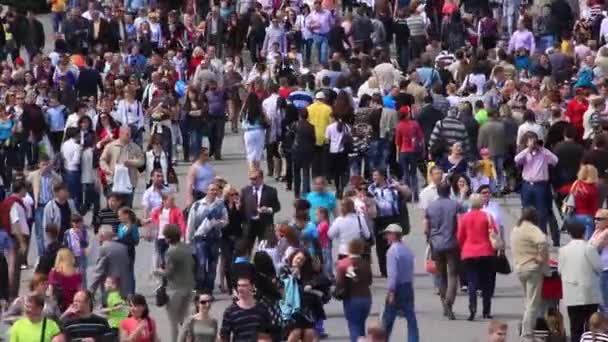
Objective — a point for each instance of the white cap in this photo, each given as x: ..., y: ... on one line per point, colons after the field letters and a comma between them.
x: 320, y: 96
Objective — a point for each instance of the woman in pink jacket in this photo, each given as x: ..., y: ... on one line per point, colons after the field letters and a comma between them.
x: 166, y: 214
x: 477, y: 254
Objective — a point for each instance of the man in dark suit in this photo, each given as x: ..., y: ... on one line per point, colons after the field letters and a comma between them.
x: 75, y: 30
x: 89, y: 80
x: 111, y: 262
x: 98, y: 30
x: 260, y: 203
x: 216, y: 28
x: 117, y: 32
x: 34, y: 41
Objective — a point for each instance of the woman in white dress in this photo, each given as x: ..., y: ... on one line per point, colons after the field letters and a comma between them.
x: 254, y: 125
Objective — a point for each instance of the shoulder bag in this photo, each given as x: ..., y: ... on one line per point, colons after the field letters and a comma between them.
x: 42, y: 337
x: 369, y: 242
x: 495, y: 238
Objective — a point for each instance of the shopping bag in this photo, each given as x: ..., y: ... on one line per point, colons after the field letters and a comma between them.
x: 429, y: 263
x: 121, y: 182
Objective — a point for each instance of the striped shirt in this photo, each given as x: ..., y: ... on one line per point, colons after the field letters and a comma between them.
x: 416, y: 25
x: 243, y: 325
x: 597, y: 337
x: 46, y: 190
x: 93, y: 326
x: 447, y: 132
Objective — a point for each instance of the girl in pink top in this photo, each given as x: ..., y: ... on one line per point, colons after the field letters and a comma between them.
x: 324, y: 242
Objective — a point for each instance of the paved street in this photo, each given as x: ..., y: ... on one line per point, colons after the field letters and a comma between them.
x: 433, y: 327
x: 507, y: 304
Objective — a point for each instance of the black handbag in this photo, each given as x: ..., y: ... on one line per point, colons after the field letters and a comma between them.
x: 502, y: 264
x: 161, y: 295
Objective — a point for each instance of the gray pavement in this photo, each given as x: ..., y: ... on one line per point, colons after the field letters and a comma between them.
x: 507, y: 304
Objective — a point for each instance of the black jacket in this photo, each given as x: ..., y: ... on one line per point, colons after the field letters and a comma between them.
x: 35, y: 39
x: 268, y: 198
x: 304, y: 141
x: 89, y: 81
x: 47, y: 259
x: 427, y: 119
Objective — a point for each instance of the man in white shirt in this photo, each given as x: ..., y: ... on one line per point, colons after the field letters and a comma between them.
x: 18, y: 229
x: 429, y: 193
x: 153, y: 196
x: 71, y: 152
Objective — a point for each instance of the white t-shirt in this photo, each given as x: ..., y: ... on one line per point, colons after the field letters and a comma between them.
x: 335, y: 138
x: 428, y: 195
x: 163, y: 220
x: 19, y: 215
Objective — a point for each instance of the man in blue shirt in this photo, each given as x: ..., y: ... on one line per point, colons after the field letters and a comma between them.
x: 319, y: 197
x: 400, y: 297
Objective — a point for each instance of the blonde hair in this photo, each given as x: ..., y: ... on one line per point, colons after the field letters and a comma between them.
x: 228, y: 188
x: 587, y: 173
x: 475, y: 201
x: 597, y: 323
x: 65, y: 262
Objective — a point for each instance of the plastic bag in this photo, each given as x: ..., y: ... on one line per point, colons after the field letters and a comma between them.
x: 44, y: 147
x: 121, y: 183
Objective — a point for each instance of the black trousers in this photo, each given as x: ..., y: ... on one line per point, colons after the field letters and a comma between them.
x: 338, y: 169
x: 216, y: 135
x: 479, y: 277
x: 579, y: 316
x: 227, y: 254
x: 319, y: 161
x: 3, y: 277
x: 380, y: 224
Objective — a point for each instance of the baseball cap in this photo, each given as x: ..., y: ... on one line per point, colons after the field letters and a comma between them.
x: 320, y: 96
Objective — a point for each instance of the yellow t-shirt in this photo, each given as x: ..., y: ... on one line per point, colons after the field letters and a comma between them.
x: 319, y: 116
x: 23, y: 330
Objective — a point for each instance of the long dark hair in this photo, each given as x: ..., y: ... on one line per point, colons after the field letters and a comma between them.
x: 253, y: 108
x: 99, y: 126
x: 139, y: 300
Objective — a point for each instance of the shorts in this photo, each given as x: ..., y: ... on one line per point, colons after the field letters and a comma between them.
x: 6, y: 241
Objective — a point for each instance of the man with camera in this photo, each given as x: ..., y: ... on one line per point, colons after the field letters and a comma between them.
x: 535, y: 191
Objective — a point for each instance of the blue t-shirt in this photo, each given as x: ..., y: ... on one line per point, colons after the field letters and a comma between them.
x: 325, y: 200
x: 308, y: 236
x: 6, y: 129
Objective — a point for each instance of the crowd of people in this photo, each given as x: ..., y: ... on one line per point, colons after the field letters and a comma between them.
x: 361, y: 110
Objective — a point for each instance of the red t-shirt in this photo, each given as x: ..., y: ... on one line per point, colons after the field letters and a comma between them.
x: 68, y: 285
x: 586, y: 198
x: 284, y: 92
x: 130, y: 324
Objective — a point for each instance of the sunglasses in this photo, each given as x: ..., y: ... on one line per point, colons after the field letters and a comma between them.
x: 234, y: 194
x: 600, y: 219
x: 204, y: 302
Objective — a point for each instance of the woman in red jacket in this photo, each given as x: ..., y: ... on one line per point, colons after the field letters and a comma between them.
x: 477, y: 254
x: 409, y: 142
x: 586, y: 197
x: 167, y: 213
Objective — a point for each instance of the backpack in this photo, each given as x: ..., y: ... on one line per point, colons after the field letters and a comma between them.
x: 5, y: 210
x: 488, y: 27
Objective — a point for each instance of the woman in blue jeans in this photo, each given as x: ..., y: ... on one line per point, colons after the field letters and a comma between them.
x: 354, y: 278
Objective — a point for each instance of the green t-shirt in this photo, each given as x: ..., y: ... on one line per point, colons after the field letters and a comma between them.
x: 481, y: 116
x: 116, y: 316
x: 23, y: 330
